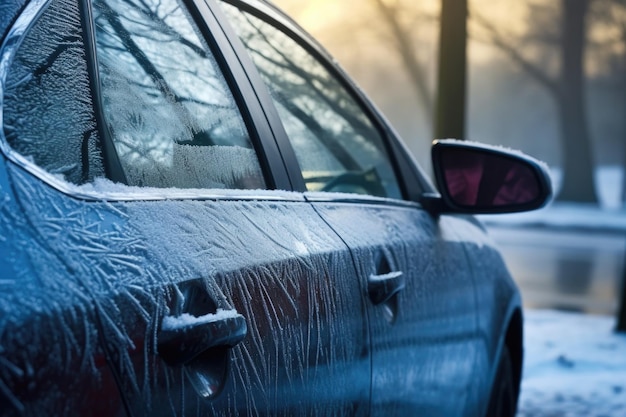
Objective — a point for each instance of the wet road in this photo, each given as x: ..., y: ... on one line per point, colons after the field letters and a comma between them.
x: 564, y: 269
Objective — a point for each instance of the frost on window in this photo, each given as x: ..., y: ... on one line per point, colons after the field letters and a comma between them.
x: 173, y: 120
x: 48, y: 113
x: 8, y: 11
x: 335, y: 142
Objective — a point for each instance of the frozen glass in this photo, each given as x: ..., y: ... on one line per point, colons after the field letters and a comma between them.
x: 48, y: 113
x: 173, y: 119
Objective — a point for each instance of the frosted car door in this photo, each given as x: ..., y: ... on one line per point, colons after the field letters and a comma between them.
x: 210, y: 294
x: 421, y: 300
x: 266, y: 297
x: 422, y: 306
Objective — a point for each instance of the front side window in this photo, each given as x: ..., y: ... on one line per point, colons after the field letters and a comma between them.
x: 168, y: 108
x: 336, y: 144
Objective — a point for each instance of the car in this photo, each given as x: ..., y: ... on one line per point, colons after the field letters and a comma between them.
x: 201, y: 214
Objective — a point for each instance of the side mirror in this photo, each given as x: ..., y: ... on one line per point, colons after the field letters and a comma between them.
x: 482, y: 179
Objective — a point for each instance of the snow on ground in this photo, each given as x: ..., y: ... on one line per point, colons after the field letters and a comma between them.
x: 575, y: 366
x: 565, y: 215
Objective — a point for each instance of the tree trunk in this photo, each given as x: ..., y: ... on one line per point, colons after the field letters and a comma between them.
x: 450, y: 113
x: 621, y: 312
x: 624, y: 127
x: 578, y: 184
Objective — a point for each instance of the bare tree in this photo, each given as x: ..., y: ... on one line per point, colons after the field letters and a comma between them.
x: 611, y: 14
x: 388, y: 46
x: 450, y: 122
x: 621, y: 314
x: 621, y: 4
x: 404, y: 45
x: 567, y: 89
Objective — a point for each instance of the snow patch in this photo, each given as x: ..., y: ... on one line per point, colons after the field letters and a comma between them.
x: 385, y: 277
x: 564, y: 215
x: 104, y: 189
x: 186, y: 320
x: 574, y: 366
x: 497, y: 148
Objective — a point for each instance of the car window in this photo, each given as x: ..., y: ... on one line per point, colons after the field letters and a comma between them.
x: 336, y: 145
x: 173, y: 120
x: 47, y: 113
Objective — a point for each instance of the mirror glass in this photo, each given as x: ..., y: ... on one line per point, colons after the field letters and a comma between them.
x: 480, y: 179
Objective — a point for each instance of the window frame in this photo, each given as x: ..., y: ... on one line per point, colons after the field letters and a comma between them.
x: 412, y: 181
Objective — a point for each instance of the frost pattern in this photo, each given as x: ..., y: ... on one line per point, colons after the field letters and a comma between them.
x: 8, y: 11
x: 96, y: 276
x: 184, y: 320
x: 82, y: 273
x: 48, y: 113
x: 172, y: 117
x: 425, y: 340
x: 195, y: 166
x: 54, y: 267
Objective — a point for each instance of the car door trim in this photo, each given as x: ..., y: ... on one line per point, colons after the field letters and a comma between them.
x: 330, y: 197
x: 89, y: 194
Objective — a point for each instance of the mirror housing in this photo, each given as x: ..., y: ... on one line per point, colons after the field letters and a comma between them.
x: 480, y: 179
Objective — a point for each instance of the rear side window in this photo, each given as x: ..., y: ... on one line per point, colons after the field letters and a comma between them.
x: 336, y: 144
x: 47, y: 110
x: 168, y: 108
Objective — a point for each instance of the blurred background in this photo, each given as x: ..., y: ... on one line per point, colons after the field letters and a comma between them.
x: 543, y: 76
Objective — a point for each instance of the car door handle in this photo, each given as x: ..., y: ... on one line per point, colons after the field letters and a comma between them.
x: 182, y: 338
x: 382, y: 287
